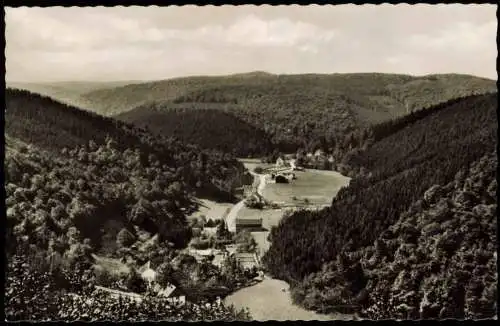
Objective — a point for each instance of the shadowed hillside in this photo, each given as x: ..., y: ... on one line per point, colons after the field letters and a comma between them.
x: 435, y: 149
x: 208, y: 128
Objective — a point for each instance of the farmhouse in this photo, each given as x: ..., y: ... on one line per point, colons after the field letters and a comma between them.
x: 202, y: 254
x: 248, y: 224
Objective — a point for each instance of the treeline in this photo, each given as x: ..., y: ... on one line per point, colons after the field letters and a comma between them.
x: 207, y: 128
x: 403, y: 166
x: 53, y: 126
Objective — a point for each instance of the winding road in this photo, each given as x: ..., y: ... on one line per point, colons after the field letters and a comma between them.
x: 233, y: 213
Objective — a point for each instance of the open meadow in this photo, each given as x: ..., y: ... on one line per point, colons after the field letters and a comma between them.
x: 212, y: 210
x: 319, y: 187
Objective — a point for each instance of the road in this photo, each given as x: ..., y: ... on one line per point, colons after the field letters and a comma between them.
x: 233, y: 213
x: 270, y: 299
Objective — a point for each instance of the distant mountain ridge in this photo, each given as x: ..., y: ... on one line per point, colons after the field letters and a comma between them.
x: 294, y: 111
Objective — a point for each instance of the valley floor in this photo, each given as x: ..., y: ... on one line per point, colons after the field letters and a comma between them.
x: 270, y: 299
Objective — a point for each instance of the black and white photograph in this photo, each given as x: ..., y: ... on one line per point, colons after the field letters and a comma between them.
x: 251, y: 163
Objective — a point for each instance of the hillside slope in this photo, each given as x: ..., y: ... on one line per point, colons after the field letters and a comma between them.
x: 208, y: 128
x: 372, y: 88
x: 294, y: 110
x: 430, y: 151
x: 53, y: 126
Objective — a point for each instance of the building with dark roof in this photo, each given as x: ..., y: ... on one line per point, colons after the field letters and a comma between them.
x: 254, y: 224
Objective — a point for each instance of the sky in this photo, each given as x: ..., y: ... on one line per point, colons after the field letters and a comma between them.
x: 152, y: 43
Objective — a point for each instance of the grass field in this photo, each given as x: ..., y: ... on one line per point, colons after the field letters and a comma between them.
x: 212, y: 210
x: 252, y: 163
x: 319, y: 187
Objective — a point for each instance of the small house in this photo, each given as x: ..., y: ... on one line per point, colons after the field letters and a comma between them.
x: 248, y: 224
x: 280, y: 162
x: 172, y: 293
x: 196, y: 231
x: 319, y: 153
x: 147, y: 273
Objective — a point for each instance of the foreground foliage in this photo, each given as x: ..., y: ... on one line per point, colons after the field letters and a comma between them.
x: 35, y: 292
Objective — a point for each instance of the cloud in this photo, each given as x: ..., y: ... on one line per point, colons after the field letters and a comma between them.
x: 459, y: 36
x: 162, y: 42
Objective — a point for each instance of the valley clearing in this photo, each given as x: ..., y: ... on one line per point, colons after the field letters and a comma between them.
x: 270, y: 299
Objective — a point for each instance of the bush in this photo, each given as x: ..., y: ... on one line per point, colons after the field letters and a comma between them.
x: 258, y: 170
x: 134, y: 282
x: 104, y: 277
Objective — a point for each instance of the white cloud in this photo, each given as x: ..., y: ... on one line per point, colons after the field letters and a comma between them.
x: 459, y: 36
x: 153, y: 42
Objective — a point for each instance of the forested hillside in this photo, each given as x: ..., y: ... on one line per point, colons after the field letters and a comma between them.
x: 434, y: 149
x: 296, y: 111
x: 65, y: 208
x: 208, y: 128
x: 51, y: 125
x: 81, y: 189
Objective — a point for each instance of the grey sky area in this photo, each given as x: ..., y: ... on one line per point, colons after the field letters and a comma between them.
x: 147, y: 43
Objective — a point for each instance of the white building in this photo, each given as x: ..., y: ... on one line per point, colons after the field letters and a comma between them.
x: 280, y: 162
x: 147, y: 273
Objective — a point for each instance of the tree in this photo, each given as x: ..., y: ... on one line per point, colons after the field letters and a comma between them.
x: 134, y: 282
x: 222, y: 231
x: 125, y: 238
x: 165, y: 275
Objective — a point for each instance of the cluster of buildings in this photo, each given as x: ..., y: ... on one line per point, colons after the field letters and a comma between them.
x: 246, y: 259
x: 149, y: 275
x: 170, y: 292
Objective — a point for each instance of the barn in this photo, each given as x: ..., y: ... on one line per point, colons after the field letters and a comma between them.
x: 248, y: 224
